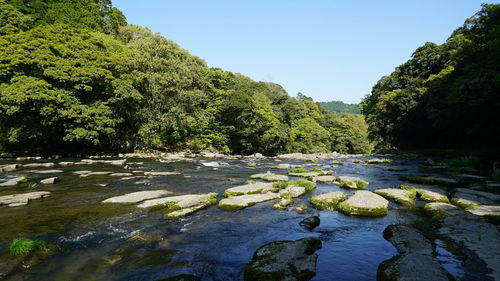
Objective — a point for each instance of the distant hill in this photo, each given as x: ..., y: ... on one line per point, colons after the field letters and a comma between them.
x: 339, y: 106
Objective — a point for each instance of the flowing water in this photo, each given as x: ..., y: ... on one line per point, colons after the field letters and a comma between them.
x: 121, y: 242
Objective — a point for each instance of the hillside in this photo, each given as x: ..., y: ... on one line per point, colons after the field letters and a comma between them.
x: 339, y: 107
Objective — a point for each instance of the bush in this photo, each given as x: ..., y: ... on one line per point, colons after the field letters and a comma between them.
x: 24, y: 246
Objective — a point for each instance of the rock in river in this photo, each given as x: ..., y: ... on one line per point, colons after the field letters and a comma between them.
x: 240, y: 202
x: 311, y: 222
x: 15, y: 200
x: 161, y: 173
x: 405, y: 197
x: 14, y: 181
x: 364, y: 203
x: 182, y: 205
x: 352, y: 182
x: 284, y: 260
x: 415, y: 260
x: 270, y: 177
x: 52, y: 180
x: 253, y: 188
x: 327, y: 201
x: 136, y: 197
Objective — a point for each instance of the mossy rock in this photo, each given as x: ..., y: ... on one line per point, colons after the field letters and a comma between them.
x: 364, y: 203
x: 401, y: 196
x: 327, y: 201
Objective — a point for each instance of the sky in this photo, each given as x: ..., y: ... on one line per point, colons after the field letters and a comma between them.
x: 325, y: 49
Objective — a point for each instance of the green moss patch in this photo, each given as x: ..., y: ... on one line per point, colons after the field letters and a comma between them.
x: 24, y: 246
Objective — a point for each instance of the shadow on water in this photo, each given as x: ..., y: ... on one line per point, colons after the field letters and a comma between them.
x: 121, y: 242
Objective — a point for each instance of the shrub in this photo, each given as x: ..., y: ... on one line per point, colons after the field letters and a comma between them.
x: 24, y: 246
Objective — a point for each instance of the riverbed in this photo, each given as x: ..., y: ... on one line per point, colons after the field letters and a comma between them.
x: 97, y: 241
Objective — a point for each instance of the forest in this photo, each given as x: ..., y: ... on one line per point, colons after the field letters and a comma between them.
x: 76, y: 78
x: 340, y: 106
x: 445, y: 96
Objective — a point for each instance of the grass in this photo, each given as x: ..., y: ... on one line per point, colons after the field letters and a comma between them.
x: 316, y: 169
x: 252, y: 165
x: 467, y: 164
x: 337, y: 163
x: 24, y: 246
x: 379, y: 161
x: 250, y: 182
x: 308, y: 185
x: 299, y: 170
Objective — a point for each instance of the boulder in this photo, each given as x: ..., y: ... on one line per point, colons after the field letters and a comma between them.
x: 310, y: 223
x: 415, y: 260
x: 243, y: 201
x: 15, y: 200
x: 52, y: 180
x: 270, y: 177
x: 404, y: 197
x: 364, y: 203
x: 136, y: 197
x: 284, y: 260
x: 14, y: 181
x: 253, y: 188
x: 327, y: 201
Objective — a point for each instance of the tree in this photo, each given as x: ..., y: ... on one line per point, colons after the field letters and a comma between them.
x: 11, y: 20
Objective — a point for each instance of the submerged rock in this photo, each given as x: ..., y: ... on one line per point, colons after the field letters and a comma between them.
x: 253, y: 188
x: 284, y: 260
x: 415, y: 260
x: 14, y: 181
x: 310, y: 223
x: 15, y: 200
x: 136, y: 197
x: 270, y: 177
x: 364, y: 203
x: 405, y: 197
x: 52, y: 180
x: 327, y: 201
x: 243, y: 201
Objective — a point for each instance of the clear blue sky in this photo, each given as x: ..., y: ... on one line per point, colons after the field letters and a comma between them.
x: 326, y: 49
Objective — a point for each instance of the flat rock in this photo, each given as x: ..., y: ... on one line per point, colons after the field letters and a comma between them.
x: 325, y: 179
x: 415, y: 260
x: 161, y: 173
x: 39, y: 165
x: 95, y: 174
x: 52, y: 180
x: 136, y: 197
x: 327, y: 201
x: 284, y: 260
x: 119, y: 162
x: 66, y: 163
x: 55, y: 171
x: 243, y: 201
x: 485, y: 210
x: 352, y: 182
x: 179, y: 202
x: 284, y: 166
x: 21, y: 199
x: 292, y: 191
x: 283, y: 203
x: 440, y: 209
x: 14, y: 181
x: 254, y: 188
x: 9, y: 167
x: 465, y: 200
x: 431, y: 194
x: 306, y: 175
x: 364, y: 203
x: 270, y: 177
x: 405, y: 197
x: 184, y: 212
x: 473, y: 233
x: 121, y: 174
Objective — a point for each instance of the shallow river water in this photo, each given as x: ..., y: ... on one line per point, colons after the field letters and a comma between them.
x: 121, y: 242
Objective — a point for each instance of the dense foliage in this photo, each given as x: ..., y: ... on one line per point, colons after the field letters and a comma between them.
x: 74, y: 77
x: 445, y: 96
x: 339, y: 107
